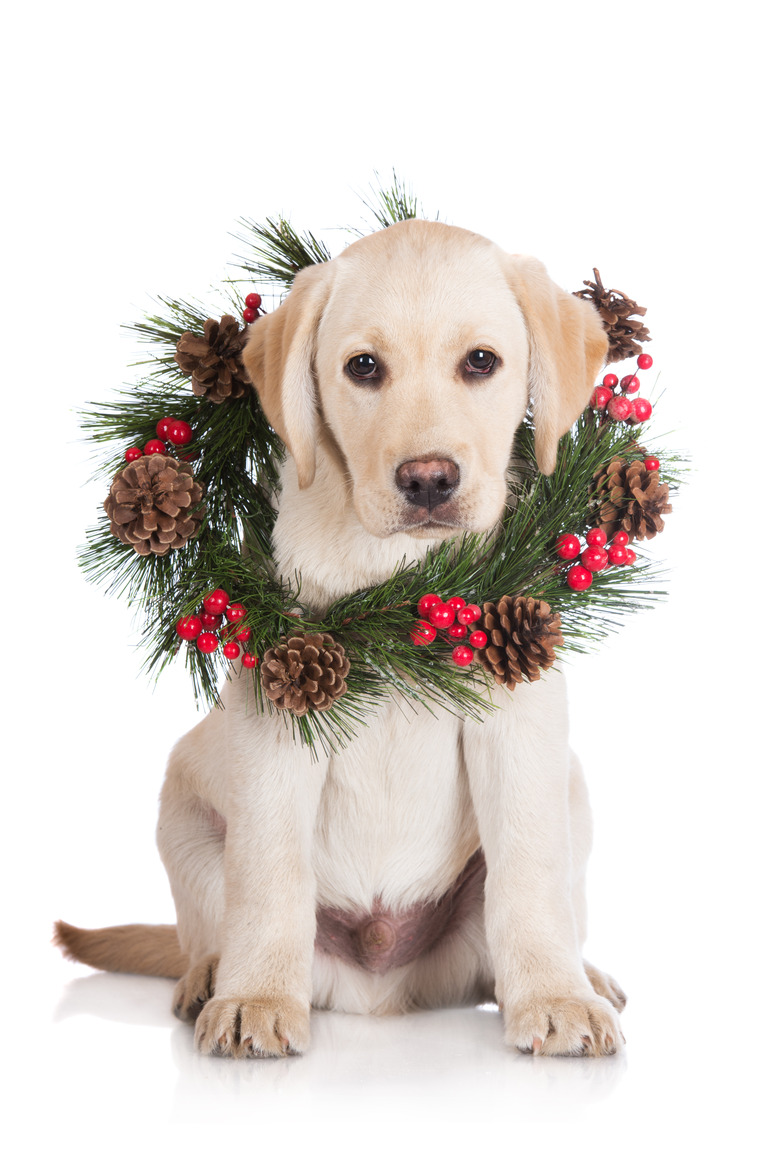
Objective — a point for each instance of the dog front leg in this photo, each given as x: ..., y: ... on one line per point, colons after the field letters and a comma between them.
x: 518, y: 764
x: 263, y: 989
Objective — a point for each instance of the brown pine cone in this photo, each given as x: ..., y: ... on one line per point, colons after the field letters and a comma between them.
x: 615, y: 308
x: 153, y: 504
x: 305, y: 672
x: 631, y: 498
x: 522, y: 634
x: 214, y: 360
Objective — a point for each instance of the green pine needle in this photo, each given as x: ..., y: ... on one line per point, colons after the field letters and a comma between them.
x: 277, y: 252
x: 392, y: 204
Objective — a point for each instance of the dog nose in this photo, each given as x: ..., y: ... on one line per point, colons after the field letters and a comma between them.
x: 427, y: 482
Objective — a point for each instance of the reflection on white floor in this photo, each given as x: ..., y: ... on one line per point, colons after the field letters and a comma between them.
x: 451, y: 1061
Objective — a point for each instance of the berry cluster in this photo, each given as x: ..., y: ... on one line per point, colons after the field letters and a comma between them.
x: 452, y: 617
x: 596, y: 556
x: 202, y: 629
x: 171, y: 430
x: 604, y: 399
x: 252, y: 310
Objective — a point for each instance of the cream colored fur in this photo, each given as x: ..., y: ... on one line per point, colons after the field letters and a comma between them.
x: 400, y: 811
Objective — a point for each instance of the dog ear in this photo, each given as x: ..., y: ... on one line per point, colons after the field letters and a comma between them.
x: 568, y: 348
x: 279, y: 358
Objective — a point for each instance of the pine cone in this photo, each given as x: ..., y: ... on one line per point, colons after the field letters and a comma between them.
x: 630, y: 498
x: 214, y: 360
x: 615, y: 308
x: 152, y: 504
x: 305, y: 672
x: 522, y: 634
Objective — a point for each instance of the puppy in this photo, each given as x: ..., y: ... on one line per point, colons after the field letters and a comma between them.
x: 434, y: 861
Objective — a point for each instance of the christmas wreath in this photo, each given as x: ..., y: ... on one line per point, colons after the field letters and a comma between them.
x: 186, y: 529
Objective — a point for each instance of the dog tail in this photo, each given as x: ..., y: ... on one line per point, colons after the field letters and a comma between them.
x: 150, y: 949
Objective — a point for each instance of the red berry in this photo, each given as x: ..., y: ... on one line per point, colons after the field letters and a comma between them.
x: 249, y: 661
x: 629, y: 383
x: 180, y: 433
x: 600, y: 397
x: 253, y: 300
x: 650, y: 463
x: 469, y: 614
x: 231, y: 650
x: 579, y: 578
x: 250, y: 314
x: 641, y: 410
x: 189, y: 627
x: 243, y: 633
x: 596, y: 537
x: 594, y: 559
x: 207, y: 642
x: 210, y: 620
x: 216, y: 602
x: 427, y: 602
x: 235, y: 611
x: 422, y: 633
x: 133, y: 453
x: 617, y: 554
x: 644, y: 360
x: 567, y: 546
x: 457, y: 603
x: 620, y: 538
x: 619, y: 408
x: 457, y: 632
x: 155, y: 446
x: 442, y: 616
x: 161, y: 429
x: 478, y: 639
x: 610, y: 380
x: 630, y: 556
x: 462, y: 655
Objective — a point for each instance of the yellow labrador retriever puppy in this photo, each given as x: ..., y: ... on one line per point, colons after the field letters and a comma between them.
x: 434, y: 861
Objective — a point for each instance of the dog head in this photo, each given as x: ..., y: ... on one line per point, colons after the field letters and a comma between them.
x: 411, y: 359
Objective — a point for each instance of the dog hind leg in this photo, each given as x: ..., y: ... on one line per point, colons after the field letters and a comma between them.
x: 191, y: 838
x: 195, y: 988
x: 581, y: 837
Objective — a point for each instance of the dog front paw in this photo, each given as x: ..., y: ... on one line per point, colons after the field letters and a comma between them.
x: 564, y: 1026
x: 267, y: 1027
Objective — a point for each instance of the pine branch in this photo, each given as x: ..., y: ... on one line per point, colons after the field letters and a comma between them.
x: 388, y: 205
x: 161, y: 332
x: 277, y: 252
x: 392, y: 204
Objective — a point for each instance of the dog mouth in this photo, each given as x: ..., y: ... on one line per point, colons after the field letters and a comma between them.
x: 431, y: 530
x: 441, y: 521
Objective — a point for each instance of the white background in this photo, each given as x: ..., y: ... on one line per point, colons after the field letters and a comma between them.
x: 636, y: 138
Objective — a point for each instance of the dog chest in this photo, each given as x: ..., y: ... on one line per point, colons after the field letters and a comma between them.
x: 396, y: 823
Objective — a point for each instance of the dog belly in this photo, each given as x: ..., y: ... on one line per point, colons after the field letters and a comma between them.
x: 396, y: 847
x: 381, y: 940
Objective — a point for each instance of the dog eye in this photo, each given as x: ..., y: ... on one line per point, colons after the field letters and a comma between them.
x: 363, y: 367
x: 480, y: 361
